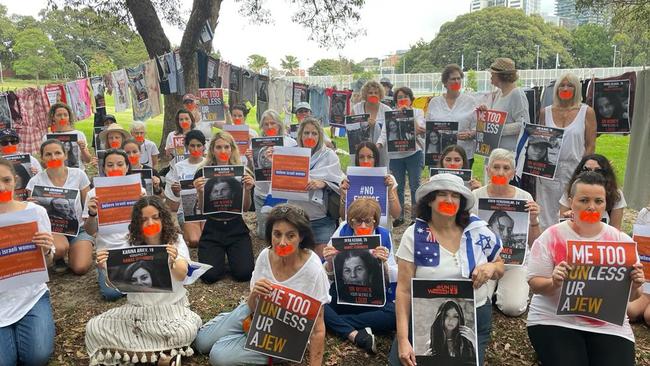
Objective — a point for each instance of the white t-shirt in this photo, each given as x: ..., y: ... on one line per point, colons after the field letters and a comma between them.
x: 76, y: 179
x: 107, y: 241
x: 148, y: 150
x: 183, y: 170
x: 482, y: 192
x: 564, y: 201
x: 644, y: 217
x: 17, y: 303
x: 310, y: 279
x: 449, y: 267
x: 80, y: 137
x: 463, y: 112
x: 541, y: 263
x: 418, y: 115
x: 166, y: 298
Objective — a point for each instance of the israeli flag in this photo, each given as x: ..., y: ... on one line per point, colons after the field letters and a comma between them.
x: 339, y: 132
x: 194, y: 271
x: 270, y: 202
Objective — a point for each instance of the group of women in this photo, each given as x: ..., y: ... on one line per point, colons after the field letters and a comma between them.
x: 161, y: 328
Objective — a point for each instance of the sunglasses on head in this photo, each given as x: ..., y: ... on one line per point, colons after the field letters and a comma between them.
x: 8, y: 142
x: 597, y: 170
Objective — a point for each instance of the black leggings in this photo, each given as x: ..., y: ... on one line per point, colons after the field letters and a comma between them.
x: 231, y: 238
x: 560, y: 346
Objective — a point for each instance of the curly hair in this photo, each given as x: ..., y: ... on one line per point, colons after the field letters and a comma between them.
x: 607, y: 171
x: 294, y: 216
x: 169, y: 232
x: 52, y: 112
x: 365, y: 89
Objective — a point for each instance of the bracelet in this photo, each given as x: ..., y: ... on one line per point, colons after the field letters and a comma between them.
x: 51, y: 251
x: 329, y: 273
x: 92, y: 215
x: 534, y: 225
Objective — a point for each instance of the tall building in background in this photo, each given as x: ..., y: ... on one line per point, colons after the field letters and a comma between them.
x: 528, y: 6
x: 566, y: 11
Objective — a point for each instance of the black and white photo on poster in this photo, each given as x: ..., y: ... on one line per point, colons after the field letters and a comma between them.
x: 439, y: 135
x: 5, y: 112
x: 464, y: 174
x: 143, y: 268
x: 98, y: 88
x: 138, y: 84
x: 400, y: 130
x: 120, y: 90
x: 190, y: 202
x: 262, y: 87
x: 101, y: 155
x: 300, y: 94
x: 358, y: 274
x: 23, y: 167
x: 63, y: 208
x: 443, y: 322
x: 206, y: 32
x: 69, y: 141
x: 234, y: 80
x: 146, y: 177
x: 339, y: 101
x: 97, y: 142
x: 542, y: 150
x: 167, y: 73
x: 358, y: 130
x: 223, y: 191
x: 508, y: 219
x: 263, y: 156
x: 611, y: 103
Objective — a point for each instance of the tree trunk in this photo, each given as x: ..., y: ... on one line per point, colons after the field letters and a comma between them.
x: 148, y: 25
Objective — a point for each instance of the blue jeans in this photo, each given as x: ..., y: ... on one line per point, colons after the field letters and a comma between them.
x: 108, y: 293
x: 323, y: 229
x: 29, y: 341
x: 412, y: 165
x: 483, y: 333
x: 344, y: 319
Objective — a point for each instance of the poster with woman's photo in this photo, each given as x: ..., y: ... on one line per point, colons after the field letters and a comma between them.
x: 98, y: 88
x: 55, y: 93
x: 63, y: 207
x: 489, y: 127
x: 263, y: 156
x: 71, y: 146
x: 5, y: 112
x: 139, y: 85
x: 400, y: 130
x: 611, y: 103
x: 223, y: 191
x: 358, y: 275
x: 23, y: 166
x: 262, y: 88
x: 339, y: 106
x: 443, y: 322
x: 190, y: 202
x: 464, y: 174
x: 300, y: 94
x: 358, y: 130
x: 146, y: 177
x: 508, y: 219
x: 542, y: 150
x: 439, y: 135
x: 211, y: 104
x: 143, y: 268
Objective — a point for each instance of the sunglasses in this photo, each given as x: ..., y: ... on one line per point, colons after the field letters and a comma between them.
x: 368, y: 222
x: 597, y: 170
x: 8, y: 142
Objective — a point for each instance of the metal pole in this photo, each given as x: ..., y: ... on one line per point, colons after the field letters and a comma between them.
x: 84, y: 63
x: 2, y: 79
x: 557, y: 60
x: 462, y: 61
x: 614, y: 60
x: 537, y: 58
x: 478, y: 56
x: 404, y: 65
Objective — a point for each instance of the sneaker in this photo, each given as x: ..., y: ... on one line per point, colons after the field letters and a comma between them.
x: 59, y: 266
x: 366, y: 340
x: 398, y: 222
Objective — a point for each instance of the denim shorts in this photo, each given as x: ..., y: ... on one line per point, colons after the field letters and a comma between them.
x: 83, y: 235
x: 323, y: 229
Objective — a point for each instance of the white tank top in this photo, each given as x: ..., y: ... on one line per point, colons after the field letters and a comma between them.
x: 573, y: 142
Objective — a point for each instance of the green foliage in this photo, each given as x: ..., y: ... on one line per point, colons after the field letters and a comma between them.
x: 417, y: 59
x: 290, y: 64
x: 100, y: 64
x: 36, y: 54
x: 471, y: 82
x: 257, y: 62
x: 591, y: 46
x: 330, y: 66
x: 7, y: 35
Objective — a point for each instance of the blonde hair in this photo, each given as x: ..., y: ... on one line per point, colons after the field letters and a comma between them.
x: 235, y: 159
x: 314, y: 122
x: 577, y: 89
x: 271, y: 113
x: 371, y: 84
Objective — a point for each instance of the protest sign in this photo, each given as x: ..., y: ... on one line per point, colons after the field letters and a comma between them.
x: 211, y: 103
x: 400, y: 130
x: 293, y: 131
x: 97, y: 143
x: 508, y: 219
x: 464, y: 174
x: 115, y: 199
x: 611, y: 103
x: 63, y: 207
x: 146, y: 178
x: 263, y: 156
x: 142, y: 268
x: 358, y: 130
x: 223, y: 190
x: 283, y: 315
x: 433, y: 303
x: 489, y: 127
x: 190, y: 202
x: 55, y: 93
x: 368, y: 183
x: 262, y: 88
x: 290, y: 173
x: 180, y: 153
x: 21, y: 261
x: 241, y: 135
x: 5, y: 112
x: 71, y: 147
x: 300, y: 93
x: 358, y: 275
x: 23, y: 167
x: 542, y: 150
x: 339, y: 106
x: 599, y: 284
x: 439, y: 135
x: 642, y: 239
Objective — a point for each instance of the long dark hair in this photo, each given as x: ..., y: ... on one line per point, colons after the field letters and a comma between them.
x: 423, y: 209
x: 119, y: 152
x: 369, y: 145
x: 454, y: 148
x: 611, y: 187
x: 169, y: 232
x: 294, y: 216
x: 438, y: 339
x: 177, y: 125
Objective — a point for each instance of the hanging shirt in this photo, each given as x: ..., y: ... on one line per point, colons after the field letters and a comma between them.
x: 153, y: 87
x: 247, y: 87
x: 318, y: 101
x: 33, y: 124
x: 167, y: 73
x: 120, y: 90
